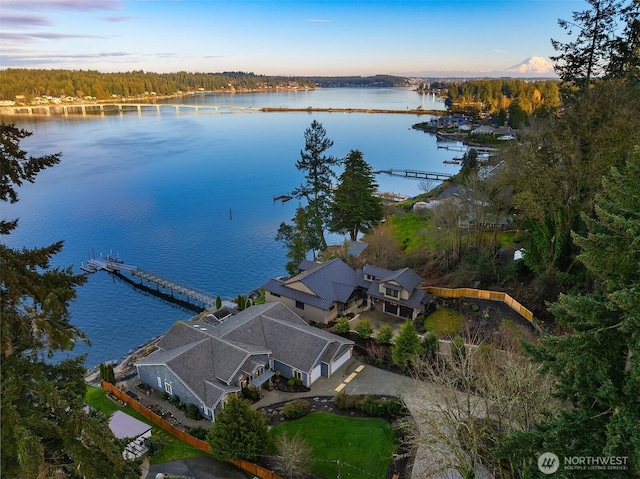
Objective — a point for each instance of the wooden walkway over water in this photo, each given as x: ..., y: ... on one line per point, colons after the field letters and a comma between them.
x: 118, y: 267
x: 422, y: 175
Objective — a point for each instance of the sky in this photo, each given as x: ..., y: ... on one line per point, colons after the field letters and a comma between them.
x: 270, y: 37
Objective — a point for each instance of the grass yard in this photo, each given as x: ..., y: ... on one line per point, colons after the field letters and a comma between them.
x: 364, y: 446
x: 444, y: 321
x: 173, y: 449
x: 411, y: 232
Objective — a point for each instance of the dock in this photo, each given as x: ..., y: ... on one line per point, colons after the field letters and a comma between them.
x: 423, y: 175
x: 283, y: 198
x: 170, y: 289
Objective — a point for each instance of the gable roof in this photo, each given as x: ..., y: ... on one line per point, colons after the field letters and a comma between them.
x: 207, y: 358
x: 319, y: 284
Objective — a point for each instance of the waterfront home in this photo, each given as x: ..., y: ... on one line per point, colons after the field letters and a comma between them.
x: 319, y: 293
x: 323, y: 291
x: 395, y: 292
x: 203, y: 362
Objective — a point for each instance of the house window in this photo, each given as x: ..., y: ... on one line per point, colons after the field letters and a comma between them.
x: 275, y: 295
x: 299, y: 305
x: 297, y: 374
x: 391, y: 292
x: 167, y: 387
x: 159, y: 382
x: 370, y: 277
x: 332, y: 307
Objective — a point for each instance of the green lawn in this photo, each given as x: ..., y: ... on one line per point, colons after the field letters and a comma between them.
x: 173, y: 448
x: 364, y: 446
x: 444, y: 321
x: 411, y: 232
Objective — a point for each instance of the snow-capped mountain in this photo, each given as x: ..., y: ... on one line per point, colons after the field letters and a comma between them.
x: 533, y: 66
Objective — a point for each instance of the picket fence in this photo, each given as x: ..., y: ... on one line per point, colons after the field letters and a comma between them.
x: 247, y: 466
x: 481, y: 294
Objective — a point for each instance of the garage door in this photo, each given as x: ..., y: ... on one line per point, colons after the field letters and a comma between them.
x: 391, y: 308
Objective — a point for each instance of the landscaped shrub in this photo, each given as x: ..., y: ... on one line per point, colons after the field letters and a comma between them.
x: 164, y: 395
x: 369, y: 406
x: 251, y: 394
x: 429, y: 345
x: 175, y: 400
x: 342, y: 325
x: 199, y: 433
x: 296, y: 409
x: 364, y: 329
x: 385, y: 333
x: 294, y: 382
x: 393, y: 407
x: 345, y: 401
x: 193, y: 411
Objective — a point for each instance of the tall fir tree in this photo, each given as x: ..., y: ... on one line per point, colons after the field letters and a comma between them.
x: 355, y: 208
x: 46, y: 430
x: 319, y: 175
x: 590, y: 53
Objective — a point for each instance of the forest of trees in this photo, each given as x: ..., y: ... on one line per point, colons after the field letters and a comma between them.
x: 33, y: 83
x: 493, y: 95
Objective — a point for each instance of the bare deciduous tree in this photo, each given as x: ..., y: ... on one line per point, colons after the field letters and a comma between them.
x: 465, y: 406
x: 294, y: 456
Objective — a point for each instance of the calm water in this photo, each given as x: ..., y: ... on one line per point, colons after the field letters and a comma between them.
x: 159, y: 190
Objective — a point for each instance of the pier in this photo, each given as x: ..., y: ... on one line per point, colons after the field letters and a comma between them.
x: 118, y: 268
x: 422, y: 175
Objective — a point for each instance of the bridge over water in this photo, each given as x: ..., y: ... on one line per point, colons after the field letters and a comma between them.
x: 117, y: 267
x: 101, y: 109
x: 85, y: 109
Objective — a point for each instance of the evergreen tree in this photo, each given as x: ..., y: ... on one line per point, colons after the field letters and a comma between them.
x: 318, y: 181
x: 296, y: 239
x: 589, y: 55
x: 625, y: 60
x: 355, y: 208
x: 239, y: 432
x: 406, y: 349
x: 597, y: 364
x: 45, y: 430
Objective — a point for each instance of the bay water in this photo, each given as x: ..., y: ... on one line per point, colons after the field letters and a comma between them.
x: 190, y: 197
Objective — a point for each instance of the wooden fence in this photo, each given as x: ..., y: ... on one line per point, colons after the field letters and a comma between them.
x: 250, y: 467
x: 482, y: 294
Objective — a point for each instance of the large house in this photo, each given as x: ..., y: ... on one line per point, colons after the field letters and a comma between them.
x: 319, y: 293
x: 203, y: 362
x: 323, y: 291
x: 396, y: 292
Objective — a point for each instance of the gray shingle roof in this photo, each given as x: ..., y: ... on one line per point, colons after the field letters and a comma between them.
x: 406, y: 277
x: 328, y: 282
x: 208, y: 359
